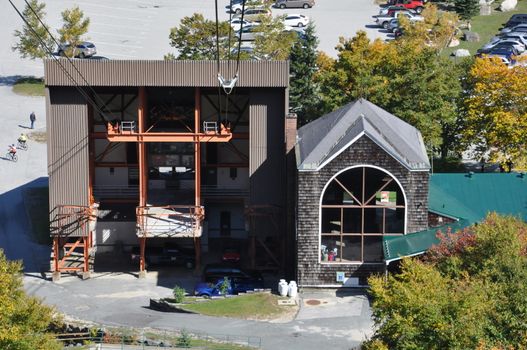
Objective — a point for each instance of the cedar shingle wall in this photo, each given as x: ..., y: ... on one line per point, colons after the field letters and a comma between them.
x: 310, y: 186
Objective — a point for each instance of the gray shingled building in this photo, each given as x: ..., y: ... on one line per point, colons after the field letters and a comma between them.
x: 362, y: 177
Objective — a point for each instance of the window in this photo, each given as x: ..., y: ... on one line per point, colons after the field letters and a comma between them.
x: 359, y: 207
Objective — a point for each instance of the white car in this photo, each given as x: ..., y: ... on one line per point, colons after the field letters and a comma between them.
x: 517, y: 44
x: 236, y: 23
x: 296, y: 20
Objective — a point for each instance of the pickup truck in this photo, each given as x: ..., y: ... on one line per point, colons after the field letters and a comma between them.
x: 416, y: 5
x: 384, y: 21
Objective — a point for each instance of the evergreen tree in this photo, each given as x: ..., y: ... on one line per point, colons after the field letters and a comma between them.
x: 73, y: 29
x: 28, y: 45
x: 303, y: 93
x: 466, y: 9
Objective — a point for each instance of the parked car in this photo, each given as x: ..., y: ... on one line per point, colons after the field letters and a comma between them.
x: 517, y: 44
x: 416, y: 5
x: 383, y: 21
x: 169, y: 254
x: 248, y: 33
x: 234, y: 286
x: 82, y: 50
x: 506, y: 56
x: 230, y: 255
x: 512, y: 29
x: 498, y: 47
x: 252, y: 14
x: 384, y: 10
x: 518, y: 36
x: 516, y: 19
x: 213, y: 272
x: 296, y: 20
x: 236, y: 23
x: 294, y: 3
x: 394, y: 23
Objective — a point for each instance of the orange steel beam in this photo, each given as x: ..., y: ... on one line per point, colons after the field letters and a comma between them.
x: 143, y: 168
x: 56, y: 266
x: 170, y: 137
x: 86, y: 254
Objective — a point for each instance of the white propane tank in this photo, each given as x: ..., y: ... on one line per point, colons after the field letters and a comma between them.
x: 292, y: 289
x: 283, y: 288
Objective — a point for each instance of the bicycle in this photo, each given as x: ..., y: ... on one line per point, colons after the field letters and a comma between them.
x: 22, y: 145
x: 12, y: 156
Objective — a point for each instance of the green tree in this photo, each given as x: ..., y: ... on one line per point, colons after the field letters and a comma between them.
x: 74, y: 27
x: 466, y: 9
x: 407, y: 78
x: 273, y: 41
x: 469, y: 292
x: 28, y: 45
x: 303, y: 90
x: 195, y: 39
x: 23, y: 319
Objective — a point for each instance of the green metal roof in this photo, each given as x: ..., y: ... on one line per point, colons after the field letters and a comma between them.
x: 469, y: 198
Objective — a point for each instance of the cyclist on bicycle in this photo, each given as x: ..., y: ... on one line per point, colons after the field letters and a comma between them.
x: 12, y: 149
x: 22, y: 138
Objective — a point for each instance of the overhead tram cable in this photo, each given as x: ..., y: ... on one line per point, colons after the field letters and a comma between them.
x: 68, y: 74
x: 228, y: 85
x: 96, y: 96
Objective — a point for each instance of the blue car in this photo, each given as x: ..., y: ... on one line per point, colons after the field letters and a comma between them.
x: 234, y: 287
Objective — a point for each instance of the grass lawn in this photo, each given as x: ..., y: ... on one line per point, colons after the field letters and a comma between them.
x: 29, y: 87
x: 253, y: 306
x: 487, y: 27
x: 37, y: 206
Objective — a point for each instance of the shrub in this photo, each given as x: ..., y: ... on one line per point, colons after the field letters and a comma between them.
x: 224, y: 286
x: 183, y: 341
x: 179, y: 294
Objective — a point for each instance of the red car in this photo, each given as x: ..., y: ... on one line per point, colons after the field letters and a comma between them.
x: 416, y: 5
x: 231, y: 255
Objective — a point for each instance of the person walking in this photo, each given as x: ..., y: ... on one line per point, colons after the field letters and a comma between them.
x: 32, y: 118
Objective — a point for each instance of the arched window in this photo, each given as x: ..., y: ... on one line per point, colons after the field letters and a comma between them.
x: 359, y: 206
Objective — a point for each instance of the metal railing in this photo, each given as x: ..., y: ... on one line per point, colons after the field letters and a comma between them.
x: 170, y: 220
x: 127, y: 126
x: 141, y: 339
x: 72, y: 220
x: 210, y: 127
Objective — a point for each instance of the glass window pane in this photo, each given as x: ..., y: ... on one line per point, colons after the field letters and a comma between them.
x: 352, y: 180
x: 352, y: 220
x: 330, y: 249
x: 333, y: 194
x: 373, y: 220
x: 351, y: 248
x: 331, y: 220
x: 373, y: 249
x: 394, y: 220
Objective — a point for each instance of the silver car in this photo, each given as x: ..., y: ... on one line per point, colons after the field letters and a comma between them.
x: 84, y: 49
x: 294, y: 3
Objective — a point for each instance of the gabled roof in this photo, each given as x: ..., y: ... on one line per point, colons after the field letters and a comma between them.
x: 468, y: 197
x: 326, y: 137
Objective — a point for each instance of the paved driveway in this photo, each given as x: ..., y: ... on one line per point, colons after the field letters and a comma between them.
x: 340, y: 319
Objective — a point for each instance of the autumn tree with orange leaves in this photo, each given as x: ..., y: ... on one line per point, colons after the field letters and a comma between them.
x: 495, y: 111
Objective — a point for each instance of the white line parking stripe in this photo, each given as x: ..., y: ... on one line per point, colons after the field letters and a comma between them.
x: 138, y: 10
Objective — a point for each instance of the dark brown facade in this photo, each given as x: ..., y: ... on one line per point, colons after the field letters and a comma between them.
x: 237, y: 177
x: 311, y: 270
